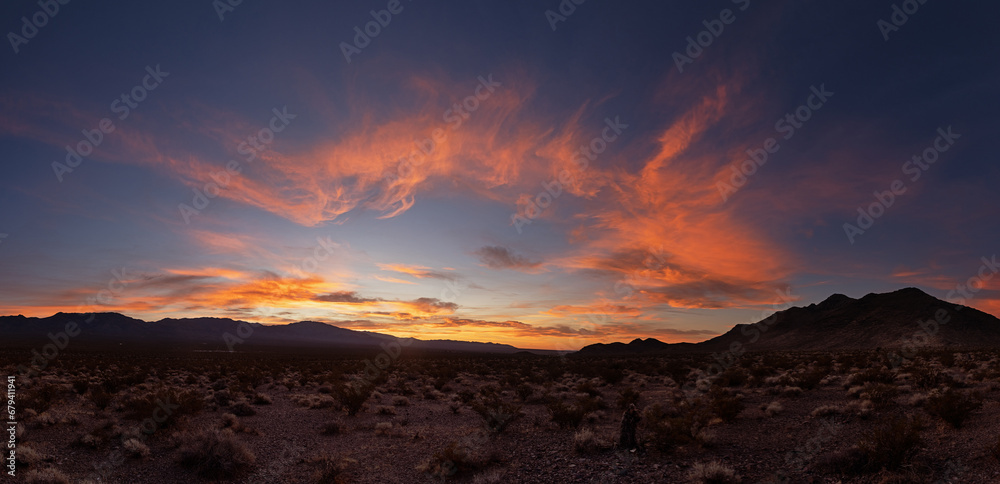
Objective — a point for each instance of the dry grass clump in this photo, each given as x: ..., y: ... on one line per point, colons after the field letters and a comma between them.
x: 136, y: 449
x: 882, y: 395
x: 826, y: 411
x: 29, y: 457
x: 313, y: 400
x: 497, y: 413
x: 713, y: 473
x: 331, y: 428
x: 952, y: 406
x: 773, y: 408
x: 261, y: 399
x: 383, y: 428
x: 354, y: 395
x: 385, y: 410
x: 892, y: 445
x: 215, y: 454
x: 46, y: 476
x: 170, y: 402
x: 454, y: 459
x: 400, y: 401
x: 585, y: 441
x: 330, y: 469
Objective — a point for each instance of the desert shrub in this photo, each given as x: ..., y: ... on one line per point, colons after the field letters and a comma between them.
x: 871, y: 375
x: 734, y: 376
x: 588, y: 388
x: 223, y: 397
x: 242, y: 409
x: 400, y: 401
x: 524, y: 391
x: 215, y: 454
x: 383, y: 428
x: 80, y: 385
x: 385, y: 410
x: 46, y: 476
x: 811, y: 379
x: 669, y: 428
x: 313, y: 400
x: 773, y: 408
x: 585, y: 442
x: 136, y: 449
x: 453, y: 460
x: 826, y: 410
x: 725, y: 406
x: 169, y: 401
x: 261, y: 399
x: 497, y: 414
x: 713, y: 473
x: 891, y: 445
x: 613, y: 374
x: 628, y: 396
x: 329, y: 469
x: 881, y: 395
x: 40, y: 397
x: 100, y: 397
x: 952, y: 406
x: 354, y: 395
x: 28, y: 456
x: 331, y: 428
x: 566, y: 416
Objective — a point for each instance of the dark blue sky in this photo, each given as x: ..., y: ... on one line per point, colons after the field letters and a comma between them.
x: 334, y: 216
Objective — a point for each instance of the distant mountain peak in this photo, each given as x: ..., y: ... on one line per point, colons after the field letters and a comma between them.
x: 877, y: 320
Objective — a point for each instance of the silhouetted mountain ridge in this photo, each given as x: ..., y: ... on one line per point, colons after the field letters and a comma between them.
x: 877, y: 320
x: 208, y: 333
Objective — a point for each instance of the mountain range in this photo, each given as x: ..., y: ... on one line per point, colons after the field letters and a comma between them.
x: 896, y: 319
x: 905, y: 318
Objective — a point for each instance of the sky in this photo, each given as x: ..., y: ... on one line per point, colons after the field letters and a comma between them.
x: 539, y: 173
